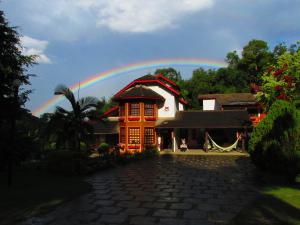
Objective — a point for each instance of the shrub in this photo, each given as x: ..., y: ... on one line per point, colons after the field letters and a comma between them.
x: 150, y: 152
x: 274, y: 143
x: 103, y: 149
x: 64, y: 162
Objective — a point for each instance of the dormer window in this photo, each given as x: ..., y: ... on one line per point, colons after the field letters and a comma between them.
x: 149, y: 109
x: 134, y: 109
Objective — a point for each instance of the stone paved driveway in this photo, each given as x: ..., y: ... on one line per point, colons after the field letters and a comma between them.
x: 171, y: 190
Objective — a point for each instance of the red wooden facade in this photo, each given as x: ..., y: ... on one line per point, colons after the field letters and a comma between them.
x: 137, y: 125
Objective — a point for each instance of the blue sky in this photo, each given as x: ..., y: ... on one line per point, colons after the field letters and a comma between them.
x: 78, y: 38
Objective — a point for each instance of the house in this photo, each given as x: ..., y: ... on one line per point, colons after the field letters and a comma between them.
x: 151, y: 111
x: 234, y: 101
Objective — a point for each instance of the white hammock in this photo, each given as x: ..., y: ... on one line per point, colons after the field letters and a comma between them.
x: 223, y: 149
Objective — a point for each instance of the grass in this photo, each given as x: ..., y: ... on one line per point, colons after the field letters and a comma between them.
x: 34, y: 193
x: 278, y: 203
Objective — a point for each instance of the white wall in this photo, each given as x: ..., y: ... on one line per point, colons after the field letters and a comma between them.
x: 209, y: 104
x: 169, y: 108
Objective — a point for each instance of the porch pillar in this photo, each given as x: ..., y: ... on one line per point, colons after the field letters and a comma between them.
x: 206, y: 141
x: 159, y: 143
x: 173, y: 141
x: 244, y: 136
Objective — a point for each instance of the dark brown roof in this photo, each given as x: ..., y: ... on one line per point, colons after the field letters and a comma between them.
x: 147, y: 77
x: 105, y: 127
x: 208, y: 119
x: 139, y: 92
x: 231, y: 99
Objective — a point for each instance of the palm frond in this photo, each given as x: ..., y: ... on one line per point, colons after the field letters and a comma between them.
x: 87, y: 103
x: 62, y: 89
x: 61, y: 110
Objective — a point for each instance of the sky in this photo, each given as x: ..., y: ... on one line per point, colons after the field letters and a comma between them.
x: 75, y: 39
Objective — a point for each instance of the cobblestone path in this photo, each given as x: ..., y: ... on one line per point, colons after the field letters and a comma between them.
x: 170, y: 190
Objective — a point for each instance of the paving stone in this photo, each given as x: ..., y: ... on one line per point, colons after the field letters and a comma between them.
x: 171, y: 221
x: 182, y: 190
x: 181, y: 206
x: 128, y: 204
x: 109, y: 210
x: 138, y: 220
x: 155, y: 205
x: 165, y: 213
x: 194, y: 214
x: 136, y: 211
x: 118, y: 219
x: 104, y: 202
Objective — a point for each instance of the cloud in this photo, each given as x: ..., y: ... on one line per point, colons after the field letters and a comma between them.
x: 70, y: 20
x: 146, y: 16
x: 32, y: 46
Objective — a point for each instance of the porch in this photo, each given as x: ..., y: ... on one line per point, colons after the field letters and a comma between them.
x: 204, y: 129
x: 202, y: 152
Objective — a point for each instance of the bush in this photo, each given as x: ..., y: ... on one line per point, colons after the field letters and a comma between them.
x: 103, y: 149
x: 64, y: 162
x: 150, y: 152
x: 274, y: 143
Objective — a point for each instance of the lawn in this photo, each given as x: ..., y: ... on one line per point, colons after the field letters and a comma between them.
x: 278, y: 203
x: 35, y: 193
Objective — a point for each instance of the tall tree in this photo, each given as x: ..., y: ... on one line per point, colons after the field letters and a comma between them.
x: 74, y: 121
x: 255, y: 59
x: 13, y: 75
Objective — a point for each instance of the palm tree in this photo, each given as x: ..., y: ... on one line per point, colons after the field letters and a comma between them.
x: 74, y: 121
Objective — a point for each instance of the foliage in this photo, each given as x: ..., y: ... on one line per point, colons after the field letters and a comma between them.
x: 169, y: 73
x: 71, y: 127
x: 274, y: 143
x: 36, y: 192
x: 103, y: 149
x: 281, y: 81
x: 150, y: 152
x: 277, y: 203
x: 64, y: 162
x: 13, y: 76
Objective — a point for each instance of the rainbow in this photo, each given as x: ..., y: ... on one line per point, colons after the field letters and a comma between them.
x: 192, y: 62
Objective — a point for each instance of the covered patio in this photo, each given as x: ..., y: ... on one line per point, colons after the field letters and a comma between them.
x: 196, y: 127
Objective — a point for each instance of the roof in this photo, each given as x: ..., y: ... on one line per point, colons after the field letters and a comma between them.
x: 158, y: 79
x: 207, y: 119
x: 139, y: 92
x: 231, y: 99
x: 105, y: 127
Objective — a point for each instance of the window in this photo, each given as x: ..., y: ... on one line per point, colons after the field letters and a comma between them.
x: 122, y: 110
x: 134, y: 135
x: 123, y: 135
x: 134, y: 109
x: 149, y: 110
x: 149, y: 136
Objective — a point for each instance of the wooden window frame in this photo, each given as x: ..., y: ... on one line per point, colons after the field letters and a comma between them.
x: 134, y: 138
x: 148, y: 106
x: 136, y: 111
x: 149, y: 136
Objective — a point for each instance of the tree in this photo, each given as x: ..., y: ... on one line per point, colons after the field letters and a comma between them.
x: 74, y: 121
x: 170, y: 73
x: 13, y: 75
x: 281, y: 80
x: 232, y: 59
x: 255, y: 59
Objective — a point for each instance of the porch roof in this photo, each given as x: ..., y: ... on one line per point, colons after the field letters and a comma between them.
x: 207, y: 119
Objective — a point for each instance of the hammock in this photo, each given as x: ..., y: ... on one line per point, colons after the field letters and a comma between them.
x: 223, y: 149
